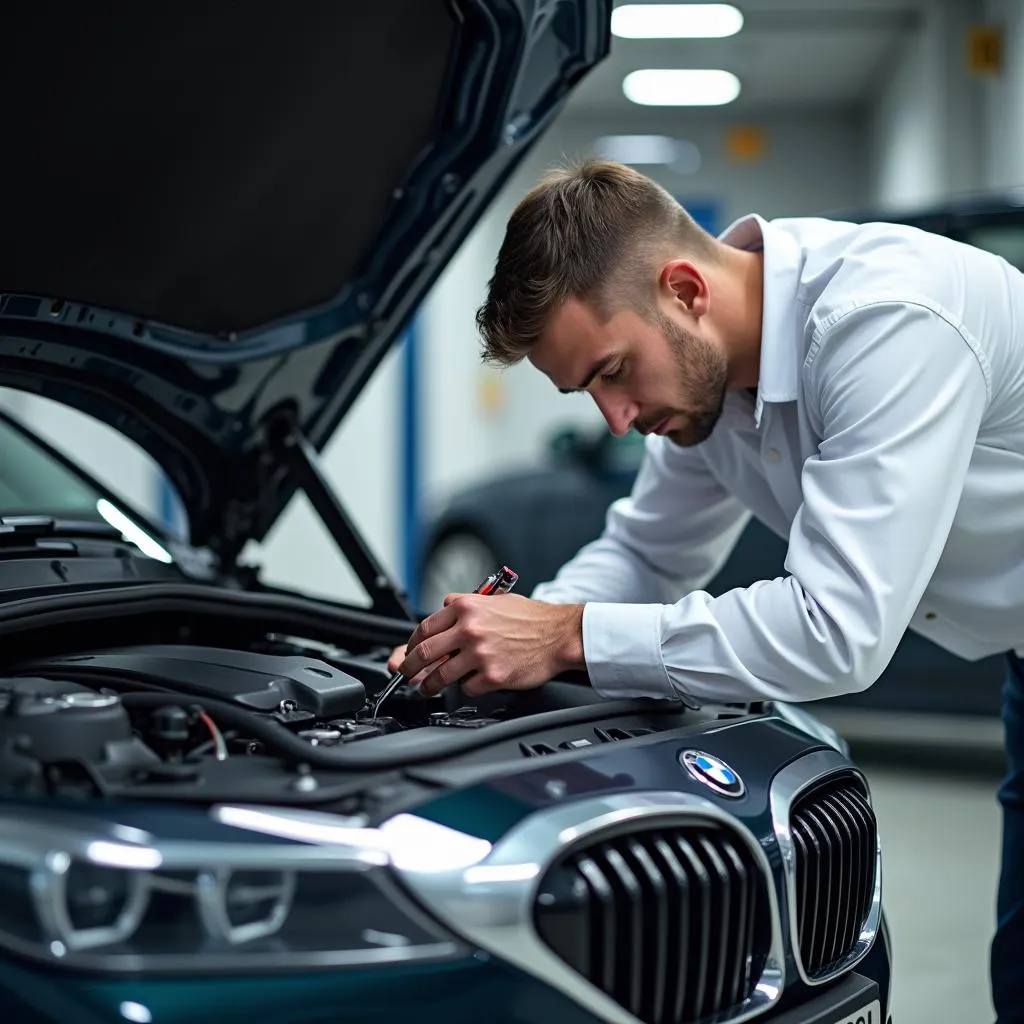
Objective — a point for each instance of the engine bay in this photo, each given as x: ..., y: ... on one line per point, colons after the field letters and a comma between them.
x: 278, y: 720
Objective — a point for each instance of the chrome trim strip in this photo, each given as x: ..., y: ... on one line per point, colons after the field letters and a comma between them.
x: 787, y: 785
x: 234, y: 962
x: 26, y: 840
x: 491, y: 903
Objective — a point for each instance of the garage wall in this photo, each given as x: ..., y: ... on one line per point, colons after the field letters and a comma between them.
x: 938, y: 127
x: 1003, y: 101
x: 925, y: 126
x: 909, y: 125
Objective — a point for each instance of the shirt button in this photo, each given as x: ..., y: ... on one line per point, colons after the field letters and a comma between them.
x: 772, y: 455
x: 929, y: 616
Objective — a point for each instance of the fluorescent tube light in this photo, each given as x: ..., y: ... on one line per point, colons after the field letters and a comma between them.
x: 681, y: 155
x: 637, y: 149
x: 674, y: 87
x: 676, y: 21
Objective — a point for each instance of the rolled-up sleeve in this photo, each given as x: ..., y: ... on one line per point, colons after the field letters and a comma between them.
x: 900, y: 393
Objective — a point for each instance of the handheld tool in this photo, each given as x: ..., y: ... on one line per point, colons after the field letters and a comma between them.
x: 501, y: 581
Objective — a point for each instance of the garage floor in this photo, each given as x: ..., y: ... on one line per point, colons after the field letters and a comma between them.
x: 941, y: 859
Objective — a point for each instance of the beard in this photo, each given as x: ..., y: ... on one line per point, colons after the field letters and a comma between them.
x: 701, y: 375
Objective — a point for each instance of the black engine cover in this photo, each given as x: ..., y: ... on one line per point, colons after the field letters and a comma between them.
x: 259, y: 682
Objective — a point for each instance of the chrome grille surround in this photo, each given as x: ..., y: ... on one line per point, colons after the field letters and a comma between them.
x: 789, y: 785
x: 491, y: 903
x: 672, y: 922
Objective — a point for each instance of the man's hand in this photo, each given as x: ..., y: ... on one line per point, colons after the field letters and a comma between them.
x: 398, y: 655
x: 492, y: 642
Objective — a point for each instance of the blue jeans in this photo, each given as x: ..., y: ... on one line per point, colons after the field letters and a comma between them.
x: 1007, y: 953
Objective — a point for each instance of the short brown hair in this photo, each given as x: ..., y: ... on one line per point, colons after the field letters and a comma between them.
x: 585, y: 232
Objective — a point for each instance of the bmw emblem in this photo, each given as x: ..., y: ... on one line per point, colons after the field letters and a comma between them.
x: 713, y: 772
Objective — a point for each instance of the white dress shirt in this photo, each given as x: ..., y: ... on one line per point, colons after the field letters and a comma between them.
x: 886, y: 443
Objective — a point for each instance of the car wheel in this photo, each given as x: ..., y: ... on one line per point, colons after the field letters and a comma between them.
x: 456, y: 564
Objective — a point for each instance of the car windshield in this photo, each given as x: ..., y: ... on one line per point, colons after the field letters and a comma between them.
x: 33, y: 482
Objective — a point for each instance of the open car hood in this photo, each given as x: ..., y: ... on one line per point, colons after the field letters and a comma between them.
x: 217, y: 219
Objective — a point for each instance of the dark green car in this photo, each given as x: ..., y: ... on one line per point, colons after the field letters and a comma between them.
x: 216, y: 222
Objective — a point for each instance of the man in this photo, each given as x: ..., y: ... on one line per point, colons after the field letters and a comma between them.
x: 858, y: 388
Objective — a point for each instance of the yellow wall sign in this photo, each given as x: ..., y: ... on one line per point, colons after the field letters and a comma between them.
x: 491, y: 394
x: 746, y: 144
x: 985, y: 49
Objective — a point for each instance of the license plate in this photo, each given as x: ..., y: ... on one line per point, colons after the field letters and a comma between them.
x: 870, y: 1014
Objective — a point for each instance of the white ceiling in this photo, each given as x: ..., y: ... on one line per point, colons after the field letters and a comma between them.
x: 790, y: 54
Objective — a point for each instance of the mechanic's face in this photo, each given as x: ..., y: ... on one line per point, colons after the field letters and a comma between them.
x: 652, y: 374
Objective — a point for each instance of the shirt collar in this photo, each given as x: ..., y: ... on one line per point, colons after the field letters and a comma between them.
x: 778, y: 377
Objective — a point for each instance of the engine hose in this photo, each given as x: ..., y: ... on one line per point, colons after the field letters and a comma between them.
x: 247, y: 722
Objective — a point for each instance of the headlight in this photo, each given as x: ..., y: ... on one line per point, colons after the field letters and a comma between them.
x: 259, y: 888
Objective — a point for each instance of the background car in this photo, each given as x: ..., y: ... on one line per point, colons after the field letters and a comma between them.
x: 539, y: 518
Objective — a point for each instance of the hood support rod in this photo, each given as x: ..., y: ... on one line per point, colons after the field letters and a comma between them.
x: 303, y: 462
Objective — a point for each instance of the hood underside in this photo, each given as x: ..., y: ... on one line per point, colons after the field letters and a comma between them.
x: 219, y: 216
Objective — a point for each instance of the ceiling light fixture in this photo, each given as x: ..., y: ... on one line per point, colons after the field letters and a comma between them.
x: 674, y: 87
x: 676, y: 21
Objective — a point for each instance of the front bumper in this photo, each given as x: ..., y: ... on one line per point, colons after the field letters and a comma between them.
x: 843, y: 1003
x: 500, y: 974
x: 462, y: 993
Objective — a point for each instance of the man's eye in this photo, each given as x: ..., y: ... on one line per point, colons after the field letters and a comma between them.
x: 613, y: 375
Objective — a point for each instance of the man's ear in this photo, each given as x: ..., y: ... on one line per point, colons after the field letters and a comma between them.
x: 681, y: 281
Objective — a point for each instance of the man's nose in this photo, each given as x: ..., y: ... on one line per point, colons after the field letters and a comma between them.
x: 619, y: 412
